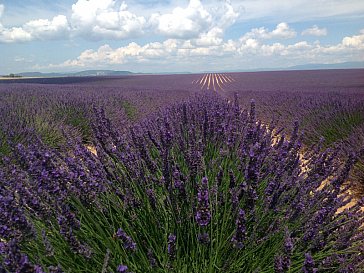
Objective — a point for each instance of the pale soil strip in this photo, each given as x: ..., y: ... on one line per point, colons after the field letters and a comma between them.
x: 202, y: 78
x: 208, y: 85
x: 226, y: 78
x: 217, y: 78
x: 204, y: 82
x: 218, y: 81
x: 230, y: 78
x: 92, y: 149
x: 222, y: 88
x: 197, y: 81
x: 222, y: 81
x: 305, y: 169
x: 213, y: 81
x: 223, y: 78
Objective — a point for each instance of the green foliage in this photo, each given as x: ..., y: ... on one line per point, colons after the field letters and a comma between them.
x: 340, y: 127
x: 333, y: 128
x: 49, y: 132
x: 149, y: 225
x: 77, y: 117
x: 130, y: 110
x: 4, y: 146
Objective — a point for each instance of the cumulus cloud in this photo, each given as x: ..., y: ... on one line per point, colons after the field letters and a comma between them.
x: 186, y: 22
x: 48, y: 29
x: 105, y: 19
x: 210, y: 38
x: 112, y: 19
x: 282, y: 31
x: 41, y: 29
x: 356, y: 41
x: 172, y: 50
x: 315, y: 31
x: 14, y: 34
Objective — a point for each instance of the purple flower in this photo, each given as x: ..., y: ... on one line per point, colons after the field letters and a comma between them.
x: 204, y: 238
x: 288, y: 243
x: 203, y: 215
x: 122, y: 268
x: 151, y: 258
x: 55, y: 269
x: 240, y: 231
x: 309, y: 264
x: 152, y: 197
x: 172, y: 246
x: 37, y: 269
x: 278, y: 265
x: 128, y: 242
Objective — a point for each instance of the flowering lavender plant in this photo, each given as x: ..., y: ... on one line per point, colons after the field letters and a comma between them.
x: 201, y: 186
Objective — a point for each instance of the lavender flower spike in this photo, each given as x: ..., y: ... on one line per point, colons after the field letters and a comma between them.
x: 203, y: 215
x: 172, y: 246
x: 122, y: 268
x: 240, y: 233
x: 309, y: 265
x: 128, y: 242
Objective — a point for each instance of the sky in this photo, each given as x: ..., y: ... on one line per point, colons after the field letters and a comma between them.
x: 177, y: 35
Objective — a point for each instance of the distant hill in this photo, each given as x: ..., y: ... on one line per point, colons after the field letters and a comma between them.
x: 93, y: 73
x: 345, y: 65
x: 85, y: 73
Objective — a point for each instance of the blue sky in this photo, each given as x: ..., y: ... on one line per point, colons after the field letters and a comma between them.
x: 177, y: 35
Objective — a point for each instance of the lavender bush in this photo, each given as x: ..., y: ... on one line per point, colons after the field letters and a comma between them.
x: 328, y: 103
x: 55, y: 112
x: 201, y: 186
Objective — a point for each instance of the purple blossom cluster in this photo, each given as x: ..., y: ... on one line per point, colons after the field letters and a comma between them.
x: 128, y: 242
x: 203, y: 215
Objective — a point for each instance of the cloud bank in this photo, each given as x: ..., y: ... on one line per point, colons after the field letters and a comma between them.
x: 315, y: 31
x: 112, y: 19
x: 244, y: 50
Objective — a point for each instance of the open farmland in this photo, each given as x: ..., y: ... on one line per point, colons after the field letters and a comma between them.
x: 217, y: 172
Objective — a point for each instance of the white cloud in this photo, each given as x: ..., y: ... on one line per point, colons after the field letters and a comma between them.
x: 225, y: 15
x: 356, y: 41
x: 212, y: 37
x: 112, y: 19
x: 35, y: 29
x: 242, y: 51
x: 105, y: 19
x: 315, y: 31
x: 274, y: 49
x: 15, y: 34
x: 185, y: 23
x: 282, y: 31
x: 46, y: 29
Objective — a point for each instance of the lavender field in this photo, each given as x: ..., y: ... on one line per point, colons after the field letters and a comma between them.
x: 217, y: 172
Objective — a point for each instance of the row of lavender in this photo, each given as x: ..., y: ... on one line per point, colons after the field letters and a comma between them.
x: 48, y: 111
x: 199, y: 187
x: 328, y: 104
